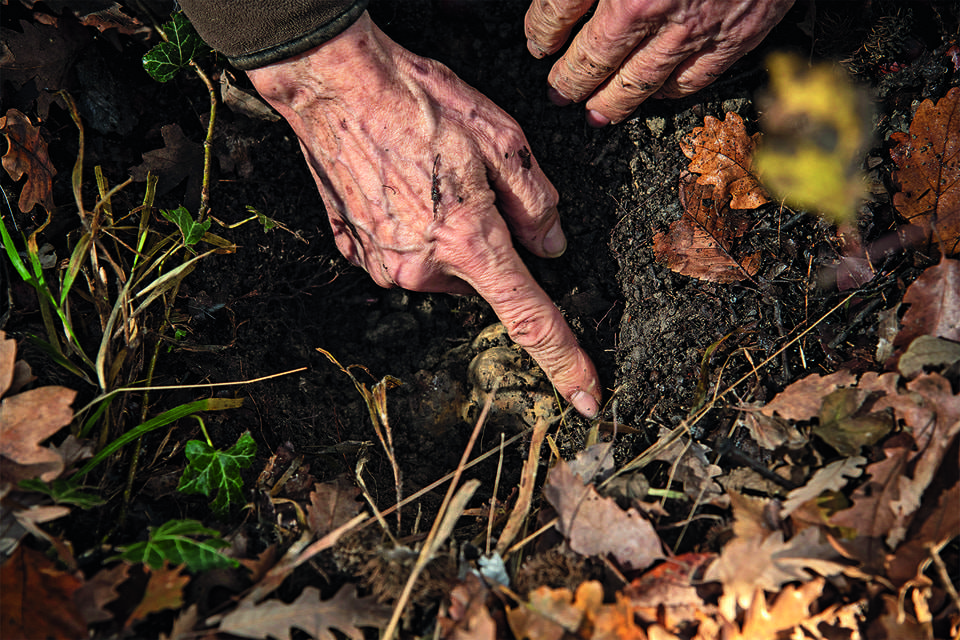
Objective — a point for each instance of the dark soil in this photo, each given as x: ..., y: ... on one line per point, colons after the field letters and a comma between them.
x: 266, y: 308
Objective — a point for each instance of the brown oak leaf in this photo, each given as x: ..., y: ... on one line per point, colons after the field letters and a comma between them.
x: 597, y: 526
x: 701, y: 243
x: 27, y: 155
x: 344, y: 612
x: 789, y: 609
x: 928, y: 171
x: 38, y: 599
x: 722, y: 153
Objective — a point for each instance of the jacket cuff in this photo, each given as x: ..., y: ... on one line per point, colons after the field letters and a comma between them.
x: 303, y: 43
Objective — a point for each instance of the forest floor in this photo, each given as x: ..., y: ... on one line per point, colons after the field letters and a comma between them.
x: 689, y: 364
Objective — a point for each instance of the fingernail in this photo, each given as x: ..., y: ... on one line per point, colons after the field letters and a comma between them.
x: 585, y: 403
x: 554, y: 243
x: 597, y: 119
x: 557, y: 98
x: 535, y: 50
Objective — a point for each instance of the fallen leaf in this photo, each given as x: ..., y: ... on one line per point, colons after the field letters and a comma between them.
x: 942, y: 523
x: 42, y: 54
x: 180, y: 159
x: 8, y: 360
x: 771, y: 432
x: 26, y: 420
x: 934, y: 300
x: 722, y: 153
x: 816, y: 125
x: 690, y: 467
x: 928, y: 171
x: 548, y: 614
x: 847, y: 425
x: 331, y: 505
x: 934, y: 391
x: 344, y: 612
x: 802, y: 399
x: 99, y: 591
x: 27, y: 155
x: 927, y: 351
x: 38, y: 599
x: 467, y: 617
x: 757, y: 558
x: 832, y: 477
x: 164, y: 591
x: 700, y: 243
x: 615, y: 621
x: 869, y: 518
x: 626, y: 535
x: 790, y: 607
x: 669, y: 591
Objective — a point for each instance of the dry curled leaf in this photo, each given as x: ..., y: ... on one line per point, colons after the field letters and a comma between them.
x: 701, y: 243
x: 928, y: 171
x: 344, y: 612
x: 722, y: 153
x: 626, y: 535
x: 27, y: 155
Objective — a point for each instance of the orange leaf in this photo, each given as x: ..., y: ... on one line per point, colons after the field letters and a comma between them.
x: 27, y: 154
x: 164, y: 591
x: 928, y: 171
x: 38, y: 599
x: 700, y: 243
x: 722, y: 152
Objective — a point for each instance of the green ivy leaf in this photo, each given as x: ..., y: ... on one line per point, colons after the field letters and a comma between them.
x: 183, y: 44
x: 173, y: 541
x: 192, y: 231
x: 63, y: 492
x: 212, y: 471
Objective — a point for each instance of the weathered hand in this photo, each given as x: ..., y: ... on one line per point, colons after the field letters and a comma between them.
x: 631, y: 49
x: 404, y: 155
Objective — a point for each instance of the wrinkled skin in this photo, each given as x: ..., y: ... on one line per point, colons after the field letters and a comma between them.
x: 424, y: 179
x: 630, y: 50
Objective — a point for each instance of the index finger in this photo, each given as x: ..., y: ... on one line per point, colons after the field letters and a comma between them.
x: 493, y: 268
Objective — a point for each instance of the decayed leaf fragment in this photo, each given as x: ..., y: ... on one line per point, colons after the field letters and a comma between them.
x: 27, y: 155
x: 701, y: 243
x: 722, y: 153
x: 626, y: 535
x: 928, y: 171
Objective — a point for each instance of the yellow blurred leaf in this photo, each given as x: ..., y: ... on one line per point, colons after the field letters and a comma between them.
x: 816, y: 123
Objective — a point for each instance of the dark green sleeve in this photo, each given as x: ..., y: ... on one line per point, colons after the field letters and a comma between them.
x: 254, y: 33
